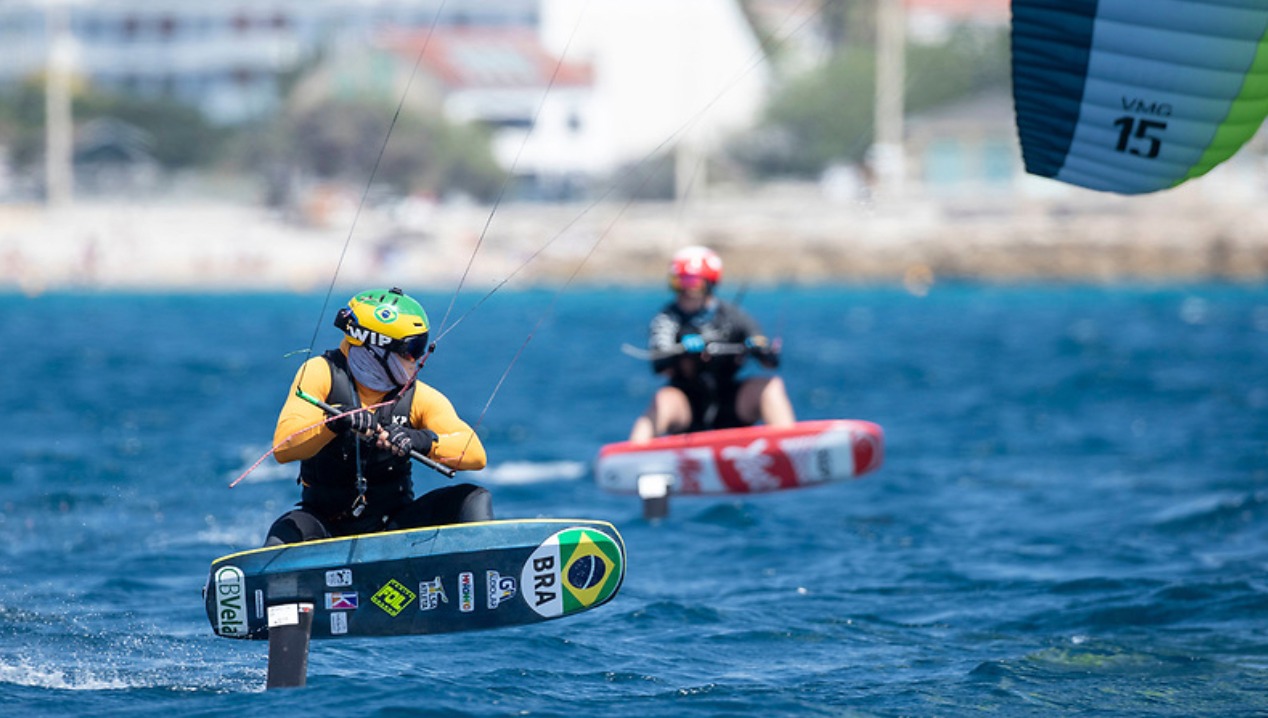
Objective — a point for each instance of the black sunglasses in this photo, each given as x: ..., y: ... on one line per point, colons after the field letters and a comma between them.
x: 414, y: 347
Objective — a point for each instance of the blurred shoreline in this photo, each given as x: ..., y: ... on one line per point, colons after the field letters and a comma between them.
x: 776, y: 237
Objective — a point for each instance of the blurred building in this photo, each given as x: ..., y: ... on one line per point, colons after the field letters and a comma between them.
x: 571, y: 88
x: 966, y: 149
x: 933, y: 20
x: 589, y: 88
x: 669, y: 75
x: 230, y: 59
x: 539, y: 107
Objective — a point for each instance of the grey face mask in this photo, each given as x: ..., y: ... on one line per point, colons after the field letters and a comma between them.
x: 376, y: 369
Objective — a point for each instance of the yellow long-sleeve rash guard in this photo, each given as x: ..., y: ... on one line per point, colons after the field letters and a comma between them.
x: 300, y: 433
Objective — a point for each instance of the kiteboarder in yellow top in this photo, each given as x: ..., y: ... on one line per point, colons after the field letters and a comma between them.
x: 356, y: 470
x: 699, y: 342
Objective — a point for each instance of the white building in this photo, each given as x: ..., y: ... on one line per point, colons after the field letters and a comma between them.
x: 599, y: 85
x: 537, y: 106
x: 667, y: 73
x: 573, y: 88
x: 229, y: 57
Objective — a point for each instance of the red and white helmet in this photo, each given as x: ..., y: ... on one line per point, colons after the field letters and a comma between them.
x: 693, y: 265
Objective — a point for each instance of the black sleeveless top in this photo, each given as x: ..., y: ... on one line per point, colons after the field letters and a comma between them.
x: 330, y: 476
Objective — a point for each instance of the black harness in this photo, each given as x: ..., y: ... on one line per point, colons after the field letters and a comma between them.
x: 711, y: 387
x: 348, y: 475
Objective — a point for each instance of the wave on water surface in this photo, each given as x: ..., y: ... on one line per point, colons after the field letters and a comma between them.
x: 513, y: 473
x: 1059, y: 526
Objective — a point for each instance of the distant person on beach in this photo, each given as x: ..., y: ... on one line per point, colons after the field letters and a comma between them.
x: 699, y: 343
x: 356, y: 470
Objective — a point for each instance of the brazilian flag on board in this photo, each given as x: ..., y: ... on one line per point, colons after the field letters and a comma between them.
x: 573, y: 570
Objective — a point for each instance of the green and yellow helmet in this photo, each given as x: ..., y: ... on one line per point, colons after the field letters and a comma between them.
x: 386, y: 318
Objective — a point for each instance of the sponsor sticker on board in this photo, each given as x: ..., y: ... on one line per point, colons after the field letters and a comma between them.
x: 286, y: 614
x: 339, y: 578
x: 231, y: 611
x: 393, y: 597
x: 501, y: 588
x: 466, y: 592
x: 338, y: 623
x: 341, y: 601
x: 432, y: 594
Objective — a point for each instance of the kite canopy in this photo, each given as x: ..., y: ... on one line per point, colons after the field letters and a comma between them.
x: 1135, y: 96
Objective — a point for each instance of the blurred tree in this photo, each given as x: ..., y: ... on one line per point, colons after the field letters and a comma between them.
x: 22, y: 115
x: 340, y: 140
x: 842, y: 23
x: 848, y: 22
x: 821, y: 117
x: 825, y: 116
x: 180, y: 137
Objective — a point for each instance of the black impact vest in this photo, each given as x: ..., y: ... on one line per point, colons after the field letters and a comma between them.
x: 329, y: 477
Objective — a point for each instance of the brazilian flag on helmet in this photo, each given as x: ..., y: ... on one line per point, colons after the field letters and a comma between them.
x: 386, y: 318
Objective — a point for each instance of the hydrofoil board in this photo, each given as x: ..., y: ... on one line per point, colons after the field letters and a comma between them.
x: 442, y: 579
x: 747, y: 460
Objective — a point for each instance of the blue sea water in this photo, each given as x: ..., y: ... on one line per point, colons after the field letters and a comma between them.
x: 1072, y: 517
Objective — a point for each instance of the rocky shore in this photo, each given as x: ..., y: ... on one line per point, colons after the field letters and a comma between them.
x: 775, y: 237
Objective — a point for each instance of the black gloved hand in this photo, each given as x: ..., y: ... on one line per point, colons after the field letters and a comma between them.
x: 763, y: 351
x: 360, y: 422
x: 404, y: 439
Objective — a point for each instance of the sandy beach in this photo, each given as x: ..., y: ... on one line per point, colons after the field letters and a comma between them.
x: 777, y: 236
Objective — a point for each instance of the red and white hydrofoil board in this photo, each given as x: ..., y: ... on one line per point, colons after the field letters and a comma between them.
x: 748, y: 460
